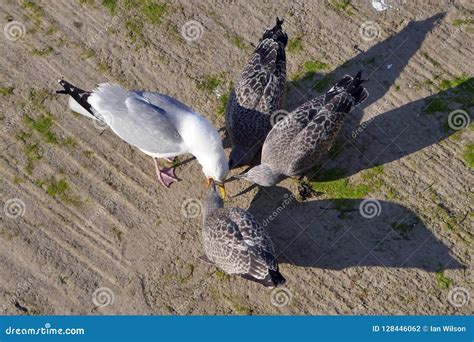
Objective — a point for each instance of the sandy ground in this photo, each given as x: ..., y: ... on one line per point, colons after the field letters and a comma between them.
x: 87, y: 229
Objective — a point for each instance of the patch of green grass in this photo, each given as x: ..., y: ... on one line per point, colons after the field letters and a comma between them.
x: 313, y: 66
x: 210, y: 83
x: 69, y: 142
x: 154, y: 11
x: 323, y: 83
x: 111, y: 5
x: 42, y: 125
x: 437, y: 105
x: 462, y: 22
x: 397, y: 87
x: 403, y: 229
x: 309, y: 69
x: 17, y: 180
x: 236, y: 307
x: 335, y: 149
x: 370, y: 174
x: 5, y: 91
x: 42, y: 52
x: 333, y: 184
x: 369, y: 61
x: 31, y: 149
x: 430, y: 59
x: 57, y: 188
x: 456, y: 81
x: 35, y: 9
x: 223, y: 103
x: 469, y: 155
x: 118, y: 233
x: 221, y: 276
x: 338, y: 188
x: 442, y: 281
x: 104, y: 67
x: 295, y: 45
x: 343, y: 6
x: 87, y: 53
x: 134, y: 30
x: 88, y: 154
x: 130, y: 4
x: 461, y: 91
x: 33, y: 153
x: 237, y: 41
x: 60, y: 189
x: 51, y: 30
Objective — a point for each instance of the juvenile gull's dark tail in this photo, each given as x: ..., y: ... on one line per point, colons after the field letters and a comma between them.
x: 276, y: 33
x: 352, y: 85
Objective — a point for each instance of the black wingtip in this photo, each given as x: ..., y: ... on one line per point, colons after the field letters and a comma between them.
x: 277, y: 278
x: 279, y: 22
x: 62, y: 91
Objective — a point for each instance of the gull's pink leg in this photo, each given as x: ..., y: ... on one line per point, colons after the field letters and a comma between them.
x: 166, y: 175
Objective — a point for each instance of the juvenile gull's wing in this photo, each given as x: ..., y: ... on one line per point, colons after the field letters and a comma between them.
x: 262, y: 82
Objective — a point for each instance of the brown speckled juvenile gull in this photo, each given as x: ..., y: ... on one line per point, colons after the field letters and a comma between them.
x: 298, y: 142
x: 236, y: 243
x: 258, y: 93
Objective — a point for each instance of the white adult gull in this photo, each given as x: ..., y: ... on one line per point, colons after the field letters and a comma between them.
x: 157, y: 124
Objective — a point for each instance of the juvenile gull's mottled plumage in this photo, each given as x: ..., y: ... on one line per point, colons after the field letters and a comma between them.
x: 258, y: 93
x: 296, y: 143
x: 157, y: 124
x: 236, y: 243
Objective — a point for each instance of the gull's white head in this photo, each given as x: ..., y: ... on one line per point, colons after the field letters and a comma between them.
x: 205, y: 144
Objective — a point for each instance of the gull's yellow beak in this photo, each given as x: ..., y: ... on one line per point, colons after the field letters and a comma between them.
x: 219, y: 185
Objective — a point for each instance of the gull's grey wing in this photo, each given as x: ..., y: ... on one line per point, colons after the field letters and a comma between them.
x: 165, y: 102
x: 261, y: 84
x: 136, y: 120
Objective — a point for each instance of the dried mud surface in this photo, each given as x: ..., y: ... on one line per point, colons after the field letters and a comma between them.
x: 93, y: 215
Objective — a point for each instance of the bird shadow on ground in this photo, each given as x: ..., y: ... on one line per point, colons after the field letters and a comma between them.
x: 396, y: 50
x: 333, y: 234
x: 399, y: 132
x: 395, y: 133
